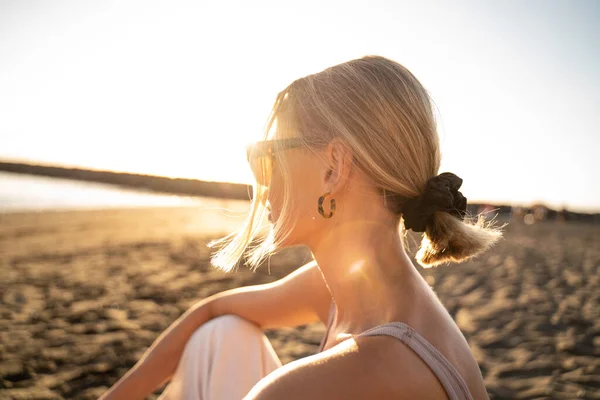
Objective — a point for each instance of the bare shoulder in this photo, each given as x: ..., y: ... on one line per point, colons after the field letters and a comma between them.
x: 357, y: 368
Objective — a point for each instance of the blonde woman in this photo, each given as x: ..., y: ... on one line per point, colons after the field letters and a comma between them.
x: 349, y: 160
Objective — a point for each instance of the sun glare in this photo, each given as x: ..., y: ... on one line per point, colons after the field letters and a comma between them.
x: 356, y: 267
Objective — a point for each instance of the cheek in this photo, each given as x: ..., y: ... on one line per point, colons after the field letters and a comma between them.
x: 306, y: 204
x: 304, y: 193
x: 303, y: 208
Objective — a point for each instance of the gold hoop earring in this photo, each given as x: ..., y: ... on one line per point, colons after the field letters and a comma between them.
x: 331, y: 206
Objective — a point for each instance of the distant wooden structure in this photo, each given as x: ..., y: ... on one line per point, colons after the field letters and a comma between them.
x: 237, y: 191
x: 178, y: 186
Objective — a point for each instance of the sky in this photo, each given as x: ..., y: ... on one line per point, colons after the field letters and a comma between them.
x: 178, y: 88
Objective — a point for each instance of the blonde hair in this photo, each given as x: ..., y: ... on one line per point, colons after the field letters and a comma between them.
x: 383, y: 113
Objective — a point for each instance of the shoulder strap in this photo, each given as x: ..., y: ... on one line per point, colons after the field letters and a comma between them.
x: 453, y: 383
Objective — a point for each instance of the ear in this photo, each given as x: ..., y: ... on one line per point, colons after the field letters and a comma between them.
x: 339, y: 164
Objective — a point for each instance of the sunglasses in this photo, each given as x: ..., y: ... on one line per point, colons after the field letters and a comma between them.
x: 261, y: 156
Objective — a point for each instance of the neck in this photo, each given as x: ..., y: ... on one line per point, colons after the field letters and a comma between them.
x: 370, y: 277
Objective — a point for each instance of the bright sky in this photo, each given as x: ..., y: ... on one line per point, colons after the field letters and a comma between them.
x: 177, y: 88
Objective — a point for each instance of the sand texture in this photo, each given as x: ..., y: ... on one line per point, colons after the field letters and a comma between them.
x: 83, y: 294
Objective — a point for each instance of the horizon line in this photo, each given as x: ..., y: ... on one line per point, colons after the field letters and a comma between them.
x: 12, y: 165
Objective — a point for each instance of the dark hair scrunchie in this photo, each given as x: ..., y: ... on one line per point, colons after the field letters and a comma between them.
x: 441, y: 194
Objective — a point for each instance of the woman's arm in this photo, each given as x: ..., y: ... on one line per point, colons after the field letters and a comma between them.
x: 159, y: 362
x: 299, y: 298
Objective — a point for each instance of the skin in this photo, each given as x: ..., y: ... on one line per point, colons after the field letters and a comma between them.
x: 372, y: 281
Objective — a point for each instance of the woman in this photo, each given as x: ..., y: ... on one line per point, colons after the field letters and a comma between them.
x: 350, y: 155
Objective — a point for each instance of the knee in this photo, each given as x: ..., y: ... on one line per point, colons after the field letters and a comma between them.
x: 224, y: 325
x: 231, y: 322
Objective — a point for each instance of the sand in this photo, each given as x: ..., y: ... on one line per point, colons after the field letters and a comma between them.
x: 84, y: 293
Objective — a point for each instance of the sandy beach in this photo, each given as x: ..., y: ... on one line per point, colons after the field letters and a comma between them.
x: 84, y: 293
